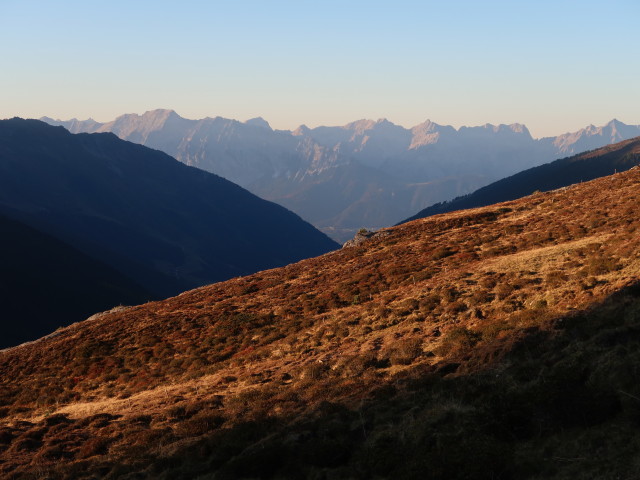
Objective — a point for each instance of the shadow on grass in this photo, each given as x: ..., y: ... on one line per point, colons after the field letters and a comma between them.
x: 561, y: 400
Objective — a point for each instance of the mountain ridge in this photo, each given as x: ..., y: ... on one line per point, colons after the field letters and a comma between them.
x: 166, y: 225
x: 360, y: 125
x: 600, y: 162
x: 274, y: 164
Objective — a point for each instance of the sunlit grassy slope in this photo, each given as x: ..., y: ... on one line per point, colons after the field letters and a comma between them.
x: 500, y: 342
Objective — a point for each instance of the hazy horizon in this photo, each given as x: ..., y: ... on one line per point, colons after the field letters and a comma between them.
x: 552, y: 66
x: 312, y: 126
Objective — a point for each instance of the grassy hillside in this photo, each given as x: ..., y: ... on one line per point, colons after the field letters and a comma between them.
x: 500, y: 342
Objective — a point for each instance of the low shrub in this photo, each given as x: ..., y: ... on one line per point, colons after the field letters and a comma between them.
x: 441, y: 252
x: 405, y: 351
x: 458, y: 340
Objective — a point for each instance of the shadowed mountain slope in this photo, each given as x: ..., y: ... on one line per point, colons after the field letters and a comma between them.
x: 46, y: 284
x: 494, y: 343
x: 168, y: 226
x: 561, y: 173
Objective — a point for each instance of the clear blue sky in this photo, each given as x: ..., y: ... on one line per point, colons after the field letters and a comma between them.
x: 554, y: 65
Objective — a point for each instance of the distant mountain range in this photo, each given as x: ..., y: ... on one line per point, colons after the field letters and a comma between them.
x: 166, y: 226
x: 363, y: 174
x: 46, y: 284
x: 586, y: 166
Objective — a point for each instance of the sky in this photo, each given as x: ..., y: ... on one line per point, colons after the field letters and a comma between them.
x: 555, y: 66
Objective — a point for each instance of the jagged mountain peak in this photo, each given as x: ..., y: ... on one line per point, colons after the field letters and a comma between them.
x: 159, y: 114
x: 613, y: 125
x: 74, y: 125
x: 594, y: 136
x: 428, y: 133
x: 519, y: 128
x: 138, y: 128
x: 385, y: 121
x: 507, y: 128
x: 618, y: 129
x: 425, y: 126
x: 55, y: 120
x: 360, y: 125
x: 258, y: 122
x: 301, y: 130
x: 489, y: 130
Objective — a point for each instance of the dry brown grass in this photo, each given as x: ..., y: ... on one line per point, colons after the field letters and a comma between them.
x: 327, y: 329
